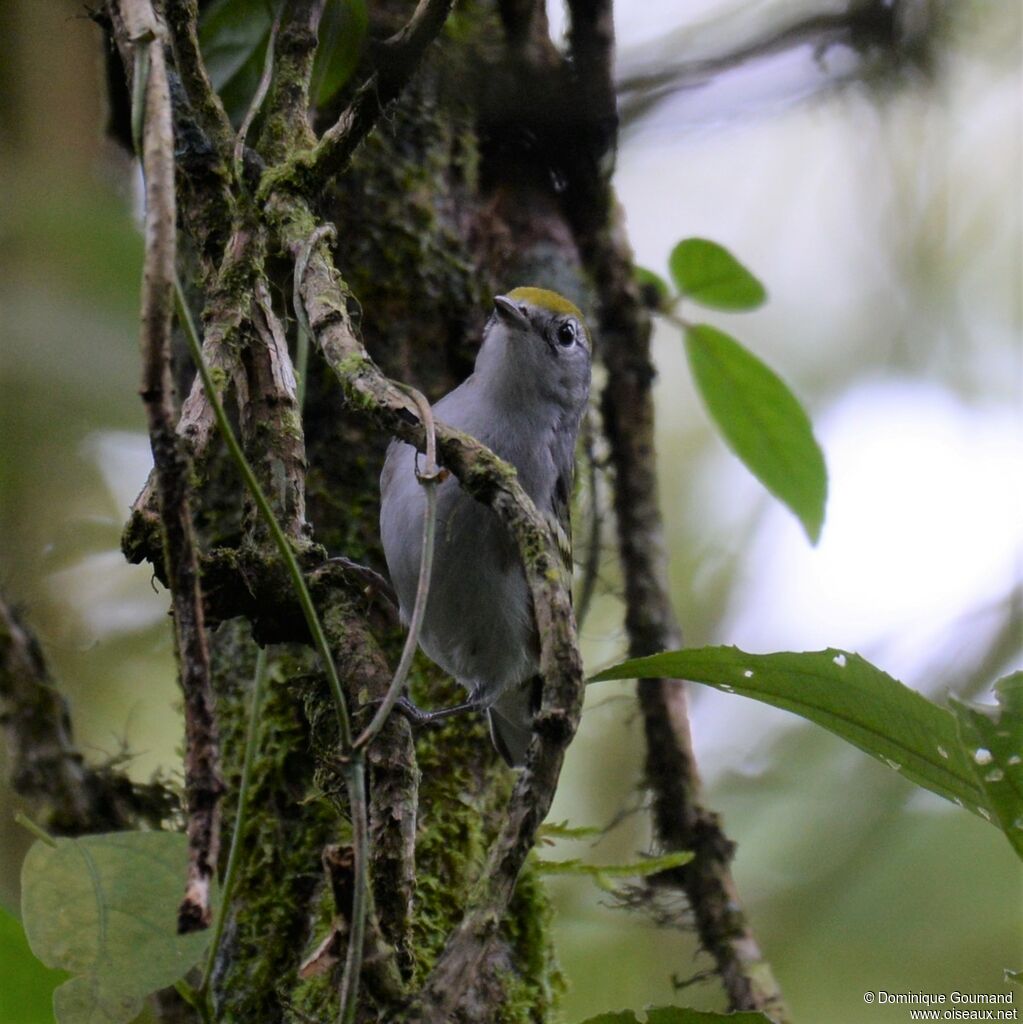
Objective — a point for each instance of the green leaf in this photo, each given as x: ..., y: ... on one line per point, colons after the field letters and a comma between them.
x: 993, y: 745
x: 603, y: 873
x: 762, y: 421
x: 677, y: 1015
x: 104, y: 908
x: 342, y: 37
x: 552, y: 830
x: 709, y: 274
x: 27, y: 985
x: 655, y: 290
x: 232, y: 36
x: 843, y: 693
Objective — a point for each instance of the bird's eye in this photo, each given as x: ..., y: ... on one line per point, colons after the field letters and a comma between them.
x: 566, y: 334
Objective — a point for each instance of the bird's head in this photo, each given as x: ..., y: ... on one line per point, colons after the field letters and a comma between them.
x: 536, y: 350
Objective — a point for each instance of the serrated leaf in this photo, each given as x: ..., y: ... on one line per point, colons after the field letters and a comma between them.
x: 846, y: 695
x: 709, y: 274
x: 104, y: 908
x: 676, y: 1015
x: 603, y: 873
x: 654, y: 285
x: 233, y: 35
x: 342, y: 37
x: 993, y: 744
x: 762, y: 422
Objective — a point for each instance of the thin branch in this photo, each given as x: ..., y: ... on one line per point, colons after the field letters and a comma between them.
x: 429, y: 478
x: 493, y: 482
x: 173, y: 468
x: 681, y: 821
x: 399, y: 57
x: 304, y: 332
x: 591, y: 567
x: 256, y: 103
x: 182, y: 18
x: 287, y: 125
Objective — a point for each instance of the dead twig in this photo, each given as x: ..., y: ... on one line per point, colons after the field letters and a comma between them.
x: 172, y: 465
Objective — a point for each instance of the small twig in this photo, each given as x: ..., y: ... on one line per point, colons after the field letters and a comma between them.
x: 254, y: 106
x: 37, y: 830
x: 183, y: 22
x: 429, y: 478
x: 304, y: 332
x: 240, y: 819
x: 173, y: 467
x: 399, y: 57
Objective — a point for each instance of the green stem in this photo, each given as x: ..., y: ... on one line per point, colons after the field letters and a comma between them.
x: 194, y: 999
x: 37, y: 830
x: 231, y: 874
x: 266, y: 513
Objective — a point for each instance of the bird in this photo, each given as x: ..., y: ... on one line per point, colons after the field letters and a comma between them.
x: 525, y: 400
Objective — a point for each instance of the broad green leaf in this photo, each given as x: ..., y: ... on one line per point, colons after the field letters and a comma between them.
x: 342, y: 37
x: 994, y: 747
x: 233, y: 35
x: 649, y: 282
x: 762, y: 421
x: 26, y: 986
x: 603, y: 873
x: 104, y: 908
x: 709, y: 274
x: 843, y: 693
x: 676, y: 1015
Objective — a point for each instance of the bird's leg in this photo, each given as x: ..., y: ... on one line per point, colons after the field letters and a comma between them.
x: 416, y: 715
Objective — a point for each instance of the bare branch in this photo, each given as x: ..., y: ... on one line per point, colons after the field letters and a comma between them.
x: 173, y: 467
x: 399, y: 58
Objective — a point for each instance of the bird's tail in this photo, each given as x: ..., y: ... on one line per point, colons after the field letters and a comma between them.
x: 511, y: 721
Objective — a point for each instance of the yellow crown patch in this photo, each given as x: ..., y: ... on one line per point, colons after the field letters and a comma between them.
x: 544, y: 299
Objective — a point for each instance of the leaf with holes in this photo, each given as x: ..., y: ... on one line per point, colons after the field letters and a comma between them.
x: 762, y: 421
x: 104, y: 907
x: 993, y: 740
x: 846, y: 695
x: 709, y: 274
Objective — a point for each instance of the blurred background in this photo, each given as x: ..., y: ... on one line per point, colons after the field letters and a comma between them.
x: 880, y: 202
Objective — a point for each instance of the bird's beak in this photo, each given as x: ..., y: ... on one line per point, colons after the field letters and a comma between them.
x: 509, y: 312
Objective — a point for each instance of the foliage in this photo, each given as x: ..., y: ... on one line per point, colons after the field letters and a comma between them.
x: 103, y: 907
x: 757, y: 414
x: 847, y: 695
x: 26, y: 984
x: 234, y: 36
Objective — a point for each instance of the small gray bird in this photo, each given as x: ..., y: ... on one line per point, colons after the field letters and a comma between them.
x: 524, y: 400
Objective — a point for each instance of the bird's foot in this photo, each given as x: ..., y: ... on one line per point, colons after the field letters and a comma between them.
x: 417, y: 716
